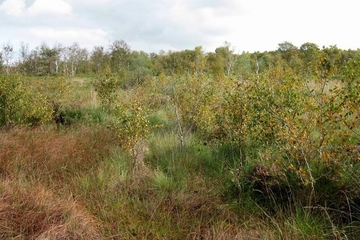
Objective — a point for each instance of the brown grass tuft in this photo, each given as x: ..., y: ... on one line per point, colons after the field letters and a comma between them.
x: 33, y: 212
x: 52, y: 156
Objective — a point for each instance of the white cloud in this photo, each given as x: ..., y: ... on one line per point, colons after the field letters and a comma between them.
x: 57, y: 7
x: 84, y: 36
x: 90, y: 2
x: 206, y: 23
x: 13, y: 7
x: 256, y: 25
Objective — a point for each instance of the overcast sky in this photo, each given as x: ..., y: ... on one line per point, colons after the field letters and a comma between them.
x: 151, y: 26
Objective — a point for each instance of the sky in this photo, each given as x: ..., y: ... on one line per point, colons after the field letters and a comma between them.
x: 151, y: 26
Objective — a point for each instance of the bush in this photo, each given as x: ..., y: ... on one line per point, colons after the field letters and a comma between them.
x: 20, y: 106
x: 295, y: 143
x: 106, y: 87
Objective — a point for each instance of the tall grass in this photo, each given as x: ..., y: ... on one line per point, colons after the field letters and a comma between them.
x: 32, y: 211
x: 76, y: 183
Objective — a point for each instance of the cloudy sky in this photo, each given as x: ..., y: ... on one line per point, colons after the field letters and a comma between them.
x: 151, y: 26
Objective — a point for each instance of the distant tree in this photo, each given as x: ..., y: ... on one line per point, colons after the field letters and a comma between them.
x: 186, y: 61
x: 65, y: 56
x: 263, y: 61
x: 330, y: 60
x: 290, y: 53
x: 24, y: 63
x: 7, y: 55
x: 200, y: 60
x: 156, y: 63
x: 84, y: 65
x: 272, y: 60
x: 216, y: 64
x: 34, y: 61
x: 309, y: 53
x: 227, y: 56
x: 243, y: 65
x: 192, y: 61
x: 99, y: 58
x: 139, y: 66
x: 178, y: 62
x: 256, y: 59
x: 171, y: 62
x: 57, y: 58
x: 286, y: 47
x: 49, y: 57
x: 119, y: 53
x: 76, y: 57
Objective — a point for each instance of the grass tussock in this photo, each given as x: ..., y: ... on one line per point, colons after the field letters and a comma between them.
x: 50, y: 155
x: 35, y: 212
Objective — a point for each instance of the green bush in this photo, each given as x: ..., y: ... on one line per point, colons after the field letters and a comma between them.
x: 21, y: 106
x: 106, y: 87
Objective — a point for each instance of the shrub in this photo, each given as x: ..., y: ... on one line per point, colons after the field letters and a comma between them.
x: 132, y: 126
x: 106, y: 87
x: 19, y: 105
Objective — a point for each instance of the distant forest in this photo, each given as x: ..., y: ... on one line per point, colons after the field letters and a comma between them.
x: 307, y: 60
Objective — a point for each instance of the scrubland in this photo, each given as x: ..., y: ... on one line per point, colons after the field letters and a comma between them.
x: 271, y: 156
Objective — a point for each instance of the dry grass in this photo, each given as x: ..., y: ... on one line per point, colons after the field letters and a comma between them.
x: 34, y: 212
x: 37, y: 169
x: 50, y: 155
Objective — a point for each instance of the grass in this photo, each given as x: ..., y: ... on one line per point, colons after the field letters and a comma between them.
x: 33, y: 211
x: 74, y: 182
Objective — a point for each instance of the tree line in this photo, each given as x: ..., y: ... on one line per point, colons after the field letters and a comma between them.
x: 307, y: 60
